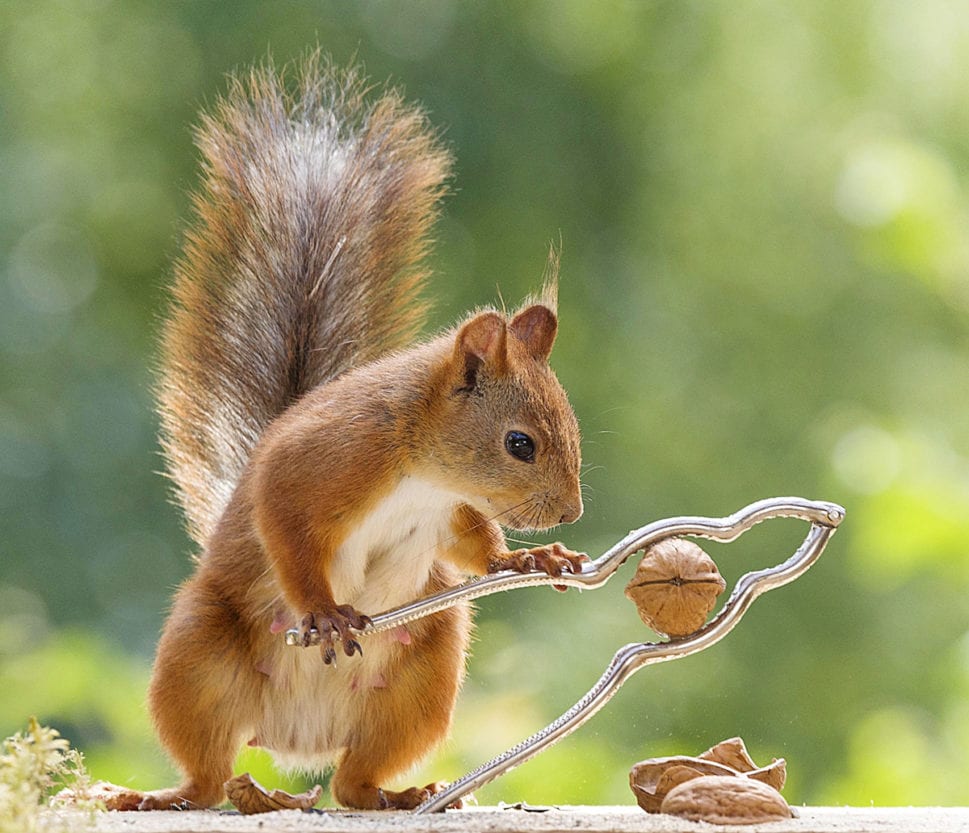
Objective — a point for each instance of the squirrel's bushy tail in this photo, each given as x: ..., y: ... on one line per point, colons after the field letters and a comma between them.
x: 304, y: 259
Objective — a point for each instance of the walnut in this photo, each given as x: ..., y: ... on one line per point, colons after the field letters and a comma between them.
x: 726, y: 799
x: 655, y: 778
x: 675, y: 587
x: 251, y: 797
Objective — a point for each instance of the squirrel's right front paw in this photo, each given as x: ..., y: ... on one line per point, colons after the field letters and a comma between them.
x: 552, y: 559
x: 332, y: 626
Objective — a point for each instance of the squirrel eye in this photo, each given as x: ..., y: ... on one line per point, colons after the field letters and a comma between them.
x: 520, y: 446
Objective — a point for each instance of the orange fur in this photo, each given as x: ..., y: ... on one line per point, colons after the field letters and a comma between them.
x: 326, y: 470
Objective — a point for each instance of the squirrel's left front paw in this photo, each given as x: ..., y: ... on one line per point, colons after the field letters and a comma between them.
x: 553, y: 559
x: 332, y: 626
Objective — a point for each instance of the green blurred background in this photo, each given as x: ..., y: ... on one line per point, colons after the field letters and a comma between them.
x: 765, y: 290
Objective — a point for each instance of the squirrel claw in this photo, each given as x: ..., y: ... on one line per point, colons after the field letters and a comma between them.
x: 552, y: 559
x: 357, y: 621
x: 332, y: 626
x: 413, y: 797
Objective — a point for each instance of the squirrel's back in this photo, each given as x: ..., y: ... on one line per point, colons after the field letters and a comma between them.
x: 304, y: 260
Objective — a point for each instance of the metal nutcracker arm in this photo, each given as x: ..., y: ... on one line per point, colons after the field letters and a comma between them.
x: 824, y: 519
x: 596, y: 573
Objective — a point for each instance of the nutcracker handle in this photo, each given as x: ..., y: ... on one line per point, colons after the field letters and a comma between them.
x: 596, y: 573
x: 824, y: 519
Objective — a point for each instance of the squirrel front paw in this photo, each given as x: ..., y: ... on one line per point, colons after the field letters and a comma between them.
x: 553, y: 559
x: 332, y: 626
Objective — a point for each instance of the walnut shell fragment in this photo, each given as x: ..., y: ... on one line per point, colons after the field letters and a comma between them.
x: 726, y: 799
x: 733, y: 753
x: 653, y: 779
x: 250, y: 797
x: 675, y: 587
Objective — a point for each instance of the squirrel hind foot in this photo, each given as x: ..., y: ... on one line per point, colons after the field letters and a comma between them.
x: 366, y: 797
x: 191, y: 796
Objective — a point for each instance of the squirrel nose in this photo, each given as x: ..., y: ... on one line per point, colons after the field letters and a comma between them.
x: 572, y: 513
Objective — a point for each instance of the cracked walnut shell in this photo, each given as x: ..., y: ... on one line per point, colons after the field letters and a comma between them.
x: 675, y: 587
x: 654, y: 779
x: 733, y: 753
x: 726, y: 799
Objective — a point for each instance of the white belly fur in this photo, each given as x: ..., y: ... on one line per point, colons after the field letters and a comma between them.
x: 311, y: 707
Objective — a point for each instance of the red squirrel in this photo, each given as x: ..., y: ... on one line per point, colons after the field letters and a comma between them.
x: 329, y: 466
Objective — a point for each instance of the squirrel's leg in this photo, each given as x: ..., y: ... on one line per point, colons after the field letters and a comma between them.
x: 480, y: 548
x: 477, y: 541
x: 407, y: 716
x: 303, y: 576
x: 203, y: 695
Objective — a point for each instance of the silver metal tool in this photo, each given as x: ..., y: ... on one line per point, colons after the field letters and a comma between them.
x: 823, y: 517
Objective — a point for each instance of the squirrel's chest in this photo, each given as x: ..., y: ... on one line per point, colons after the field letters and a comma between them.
x: 385, y: 562
x: 386, y: 559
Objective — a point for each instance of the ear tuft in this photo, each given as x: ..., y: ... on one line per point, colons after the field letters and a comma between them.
x: 550, y: 279
x: 535, y: 327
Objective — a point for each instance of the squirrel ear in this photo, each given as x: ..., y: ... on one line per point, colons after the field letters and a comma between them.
x: 480, y: 342
x: 535, y: 327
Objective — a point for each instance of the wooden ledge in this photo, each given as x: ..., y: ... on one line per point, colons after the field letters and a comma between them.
x: 535, y: 820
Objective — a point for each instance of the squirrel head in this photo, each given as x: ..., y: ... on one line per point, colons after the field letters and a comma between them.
x: 505, y: 431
